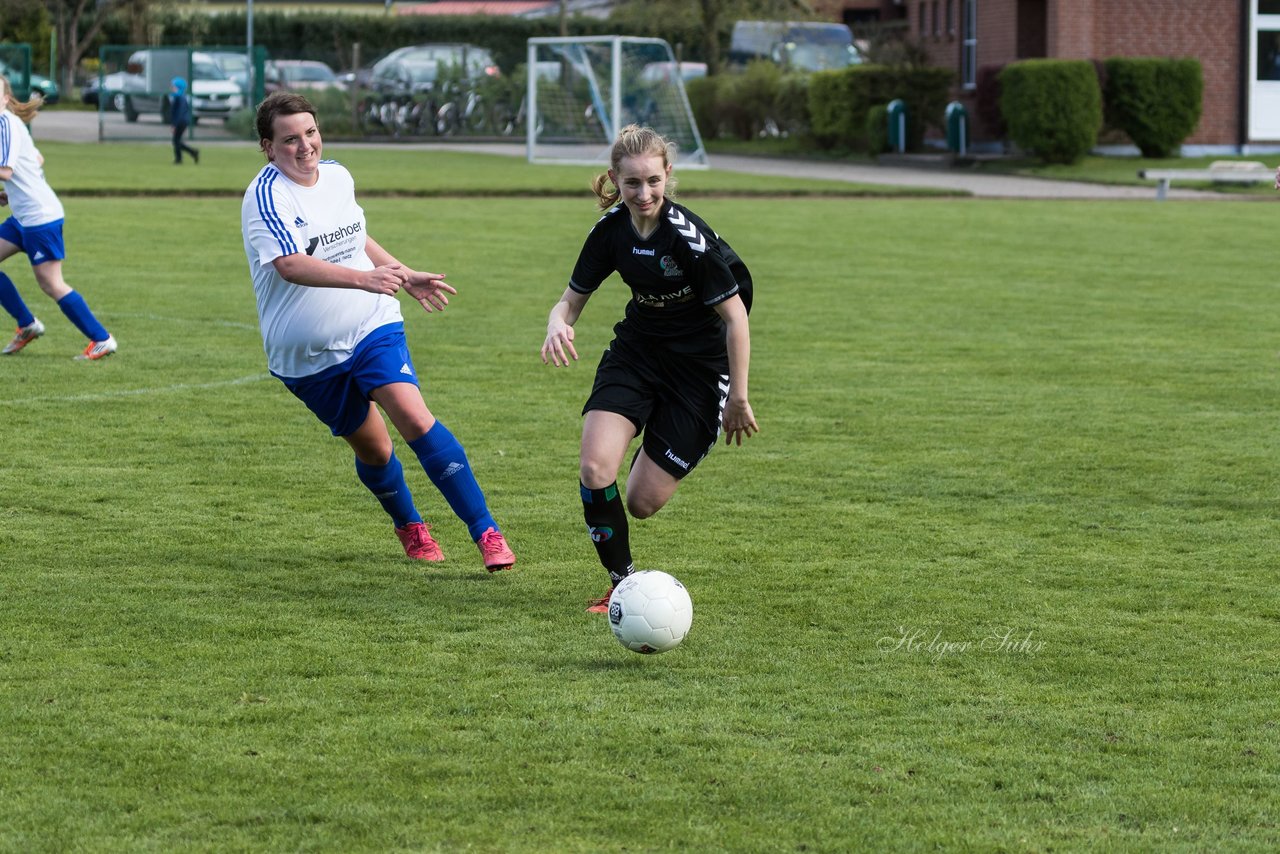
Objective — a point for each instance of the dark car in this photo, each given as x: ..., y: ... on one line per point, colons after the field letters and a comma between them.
x: 113, y: 84
x: 40, y: 85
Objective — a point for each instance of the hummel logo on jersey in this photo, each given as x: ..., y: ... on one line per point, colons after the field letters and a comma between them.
x: 688, y: 231
x: 636, y: 250
x: 450, y: 470
x: 405, y: 369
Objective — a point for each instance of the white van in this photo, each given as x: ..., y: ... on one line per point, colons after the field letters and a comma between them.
x: 146, y: 83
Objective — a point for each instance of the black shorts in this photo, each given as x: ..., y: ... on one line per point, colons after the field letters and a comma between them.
x: 676, y: 402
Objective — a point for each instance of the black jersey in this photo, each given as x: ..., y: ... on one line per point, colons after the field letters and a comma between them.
x: 676, y: 277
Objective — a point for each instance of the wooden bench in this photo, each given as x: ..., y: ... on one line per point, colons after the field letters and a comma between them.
x: 1222, y: 171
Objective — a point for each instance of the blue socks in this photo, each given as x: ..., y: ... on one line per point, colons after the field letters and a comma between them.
x: 77, y: 311
x: 12, y: 302
x: 446, y: 464
x: 388, y: 486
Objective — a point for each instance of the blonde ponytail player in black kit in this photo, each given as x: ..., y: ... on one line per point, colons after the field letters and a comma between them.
x: 677, y: 369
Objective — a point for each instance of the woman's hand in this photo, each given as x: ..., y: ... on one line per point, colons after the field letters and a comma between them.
x: 739, y: 421
x: 429, y: 289
x: 387, y: 279
x: 558, y: 346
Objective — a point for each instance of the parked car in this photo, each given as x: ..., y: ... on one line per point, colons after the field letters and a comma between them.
x: 404, y: 77
x: 235, y: 66
x: 213, y: 94
x: 111, y: 84
x: 293, y: 75
x: 473, y: 62
x: 797, y: 45
x: 40, y: 85
x: 664, y: 72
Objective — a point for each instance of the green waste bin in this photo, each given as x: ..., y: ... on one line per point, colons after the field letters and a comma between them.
x: 897, y: 109
x: 957, y: 127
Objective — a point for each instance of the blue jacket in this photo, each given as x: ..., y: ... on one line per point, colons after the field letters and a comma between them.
x: 179, y: 103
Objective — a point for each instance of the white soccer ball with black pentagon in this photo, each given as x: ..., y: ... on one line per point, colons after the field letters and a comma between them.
x: 650, y: 611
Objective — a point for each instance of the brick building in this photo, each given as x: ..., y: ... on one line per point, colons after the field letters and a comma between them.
x: 1236, y: 41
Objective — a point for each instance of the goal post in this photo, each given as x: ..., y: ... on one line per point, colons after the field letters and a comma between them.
x: 582, y: 90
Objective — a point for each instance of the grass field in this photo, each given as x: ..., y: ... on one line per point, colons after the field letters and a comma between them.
x: 998, y: 574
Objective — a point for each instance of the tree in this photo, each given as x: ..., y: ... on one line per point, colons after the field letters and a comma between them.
x: 77, y: 24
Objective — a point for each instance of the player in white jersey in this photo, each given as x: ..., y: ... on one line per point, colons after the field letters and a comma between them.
x: 333, y: 332
x: 36, y: 229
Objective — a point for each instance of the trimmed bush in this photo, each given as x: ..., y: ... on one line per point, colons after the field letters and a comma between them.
x: 878, y: 129
x: 1053, y: 107
x: 840, y: 101
x: 751, y: 98
x: 704, y: 100
x: 1156, y: 101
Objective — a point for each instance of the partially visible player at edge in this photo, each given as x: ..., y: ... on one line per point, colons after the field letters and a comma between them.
x: 35, y: 228
x: 677, y: 367
x: 333, y: 332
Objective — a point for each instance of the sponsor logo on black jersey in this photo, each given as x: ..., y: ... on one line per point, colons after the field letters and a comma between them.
x: 670, y: 268
x: 660, y: 300
x: 636, y: 250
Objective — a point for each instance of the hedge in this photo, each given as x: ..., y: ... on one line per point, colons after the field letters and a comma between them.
x: 1156, y: 101
x: 1053, y: 107
x: 840, y: 102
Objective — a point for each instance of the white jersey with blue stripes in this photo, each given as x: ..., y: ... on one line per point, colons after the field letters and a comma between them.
x: 306, y: 330
x: 31, y: 199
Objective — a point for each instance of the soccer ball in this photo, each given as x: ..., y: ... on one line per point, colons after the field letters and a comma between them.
x: 650, y: 611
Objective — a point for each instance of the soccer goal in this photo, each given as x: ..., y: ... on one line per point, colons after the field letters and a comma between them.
x: 583, y: 90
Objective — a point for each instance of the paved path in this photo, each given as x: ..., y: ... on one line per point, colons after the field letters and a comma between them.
x: 73, y: 126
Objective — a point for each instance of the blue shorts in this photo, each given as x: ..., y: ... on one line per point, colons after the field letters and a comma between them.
x: 340, y: 395
x: 42, y: 243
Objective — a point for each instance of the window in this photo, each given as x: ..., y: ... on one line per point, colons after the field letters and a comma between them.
x: 922, y: 24
x: 1268, y: 55
x: 1269, y: 7
x: 951, y: 18
x: 937, y: 22
x: 969, y: 44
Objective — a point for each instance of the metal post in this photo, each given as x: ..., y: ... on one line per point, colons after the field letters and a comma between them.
x: 248, y: 40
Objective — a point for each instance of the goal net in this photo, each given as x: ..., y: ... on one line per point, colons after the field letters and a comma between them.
x: 583, y: 90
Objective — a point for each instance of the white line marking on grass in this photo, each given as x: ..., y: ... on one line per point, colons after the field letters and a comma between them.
x: 135, y: 392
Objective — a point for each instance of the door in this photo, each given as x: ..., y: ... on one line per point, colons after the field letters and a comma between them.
x: 1264, y: 62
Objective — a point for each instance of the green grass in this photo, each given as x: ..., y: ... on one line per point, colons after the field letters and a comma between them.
x: 998, y: 574
x: 1124, y: 170
x: 226, y: 168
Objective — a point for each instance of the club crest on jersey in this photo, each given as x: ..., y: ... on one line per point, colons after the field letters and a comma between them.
x: 670, y: 268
